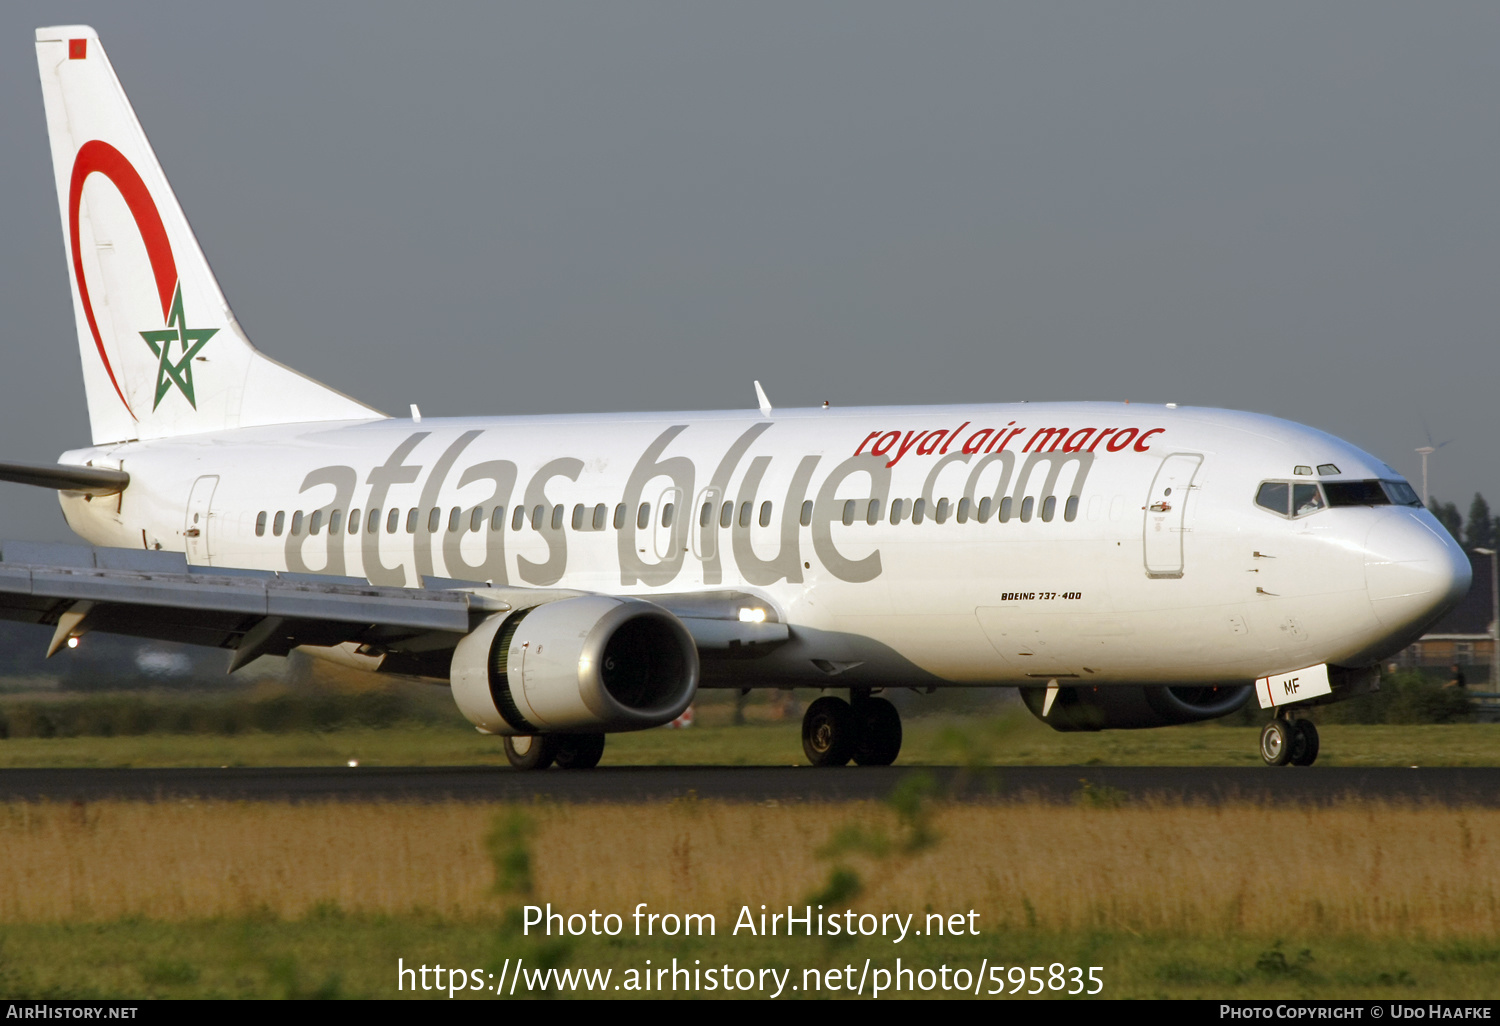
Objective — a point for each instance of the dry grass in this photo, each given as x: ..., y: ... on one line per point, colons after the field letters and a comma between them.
x: 1355, y: 869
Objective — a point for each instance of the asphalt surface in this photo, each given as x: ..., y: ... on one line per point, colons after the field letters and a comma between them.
x: 1196, y: 784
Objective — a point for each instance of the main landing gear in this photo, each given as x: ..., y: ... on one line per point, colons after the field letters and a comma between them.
x: 569, y: 751
x: 1286, y: 741
x: 865, y: 729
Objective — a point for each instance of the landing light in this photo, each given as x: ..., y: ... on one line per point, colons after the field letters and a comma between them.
x: 752, y: 616
x: 72, y: 642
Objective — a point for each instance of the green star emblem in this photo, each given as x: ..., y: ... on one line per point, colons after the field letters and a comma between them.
x: 191, y: 339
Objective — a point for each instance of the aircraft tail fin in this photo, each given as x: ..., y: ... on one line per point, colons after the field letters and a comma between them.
x: 162, y: 352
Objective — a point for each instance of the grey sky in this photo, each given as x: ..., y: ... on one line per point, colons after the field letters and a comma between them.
x: 1287, y: 208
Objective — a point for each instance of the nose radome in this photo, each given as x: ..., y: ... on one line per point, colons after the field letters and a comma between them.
x: 1414, y: 570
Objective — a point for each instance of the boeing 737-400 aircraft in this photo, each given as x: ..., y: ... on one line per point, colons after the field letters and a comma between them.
x: 571, y: 576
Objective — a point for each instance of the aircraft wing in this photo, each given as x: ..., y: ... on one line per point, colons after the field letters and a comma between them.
x: 157, y: 595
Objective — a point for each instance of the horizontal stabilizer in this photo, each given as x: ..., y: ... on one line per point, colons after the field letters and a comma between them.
x: 88, y: 480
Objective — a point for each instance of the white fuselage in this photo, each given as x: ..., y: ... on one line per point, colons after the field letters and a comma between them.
x: 1098, y: 543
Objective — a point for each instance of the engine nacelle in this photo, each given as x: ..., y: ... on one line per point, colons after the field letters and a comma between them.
x: 1128, y: 707
x: 590, y: 664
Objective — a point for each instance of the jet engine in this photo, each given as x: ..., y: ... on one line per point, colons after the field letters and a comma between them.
x: 1125, y: 708
x: 590, y: 664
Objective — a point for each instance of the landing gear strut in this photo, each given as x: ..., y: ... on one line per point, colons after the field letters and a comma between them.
x: 868, y: 730
x: 1286, y: 741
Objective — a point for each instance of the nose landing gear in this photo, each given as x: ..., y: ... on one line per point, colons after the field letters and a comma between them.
x: 1289, y: 742
x: 865, y: 729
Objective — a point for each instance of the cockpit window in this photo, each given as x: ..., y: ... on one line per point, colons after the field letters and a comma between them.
x: 1289, y: 498
x: 1401, y: 493
x: 1274, y: 496
x: 1297, y: 498
x: 1370, y: 493
x: 1305, y: 499
x: 1355, y: 493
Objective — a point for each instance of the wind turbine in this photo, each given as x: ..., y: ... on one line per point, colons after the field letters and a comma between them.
x: 1426, y: 451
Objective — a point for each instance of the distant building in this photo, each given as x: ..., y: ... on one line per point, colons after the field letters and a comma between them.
x: 1464, y: 636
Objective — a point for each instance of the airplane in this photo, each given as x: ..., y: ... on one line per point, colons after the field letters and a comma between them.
x: 1123, y: 565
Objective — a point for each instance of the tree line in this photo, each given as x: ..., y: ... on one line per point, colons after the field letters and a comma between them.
x: 1478, y: 531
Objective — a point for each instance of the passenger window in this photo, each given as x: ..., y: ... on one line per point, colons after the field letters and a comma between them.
x: 354, y: 522
x: 454, y: 515
x: 985, y: 504
x: 538, y: 513
x: 434, y: 520
x: 667, y: 510
x: 260, y: 525
x: 1305, y: 499
x: 918, y: 510
x: 394, y: 520
x: 1049, y: 509
x: 518, y: 518
x: 335, y: 521
x: 411, y: 520
x: 620, y: 517
x: 601, y: 514
x: 745, y: 514
x: 1027, y: 504
x: 706, y: 514
x: 872, y: 515
x: 897, y: 508
x: 807, y: 511
x: 765, y: 514
x: 1274, y: 496
x: 476, y: 519
x: 557, y: 517
x: 1070, y: 511
x: 942, y: 511
x: 578, y: 517
x: 964, y: 506
x: 373, y: 523
x: 643, y: 516
x: 726, y: 514
x: 1005, y: 507
x: 848, y: 517
x: 280, y: 523
x: 297, y: 523
x: 315, y: 522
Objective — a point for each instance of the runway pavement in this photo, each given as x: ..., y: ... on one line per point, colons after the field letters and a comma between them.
x: 1212, y: 785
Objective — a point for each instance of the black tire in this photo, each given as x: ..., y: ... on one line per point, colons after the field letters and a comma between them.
x: 579, y: 751
x: 829, y: 732
x: 1276, y: 742
x: 1304, y: 743
x: 534, y: 752
x: 879, y: 739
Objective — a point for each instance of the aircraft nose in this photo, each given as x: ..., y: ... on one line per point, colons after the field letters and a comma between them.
x: 1414, y: 570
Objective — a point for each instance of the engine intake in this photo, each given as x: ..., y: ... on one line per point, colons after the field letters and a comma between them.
x: 1127, y: 707
x: 580, y: 665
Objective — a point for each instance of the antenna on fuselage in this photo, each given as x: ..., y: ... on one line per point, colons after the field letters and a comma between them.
x: 765, y: 404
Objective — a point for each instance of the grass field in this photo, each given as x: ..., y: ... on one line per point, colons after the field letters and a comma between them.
x: 206, y: 899
x: 1009, y: 738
